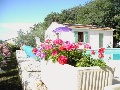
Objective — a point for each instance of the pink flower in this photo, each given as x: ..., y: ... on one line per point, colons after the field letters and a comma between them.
x: 38, y: 53
x: 67, y: 42
x: 42, y: 45
x: 42, y: 55
x: 68, y: 47
x: 80, y: 43
x: 8, y: 54
x: 5, y: 50
x: 62, y: 59
x: 55, y: 52
x: 58, y: 42
x: 75, y: 46
x: 48, y: 41
x: 48, y: 47
x: 87, y: 46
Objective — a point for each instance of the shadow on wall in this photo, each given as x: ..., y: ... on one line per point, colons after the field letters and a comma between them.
x: 115, y: 81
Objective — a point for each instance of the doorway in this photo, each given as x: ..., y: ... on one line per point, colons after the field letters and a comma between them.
x: 80, y: 37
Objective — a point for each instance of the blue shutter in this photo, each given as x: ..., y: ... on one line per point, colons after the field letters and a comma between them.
x: 86, y: 37
x: 76, y: 36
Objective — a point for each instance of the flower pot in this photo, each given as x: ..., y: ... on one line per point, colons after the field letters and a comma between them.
x: 66, y: 77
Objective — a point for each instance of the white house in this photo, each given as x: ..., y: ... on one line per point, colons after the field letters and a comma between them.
x: 49, y: 34
x: 97, y: 37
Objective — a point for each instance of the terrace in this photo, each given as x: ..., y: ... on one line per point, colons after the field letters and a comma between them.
x: 31, y: 69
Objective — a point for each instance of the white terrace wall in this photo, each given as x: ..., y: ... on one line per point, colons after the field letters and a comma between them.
x: 66, y: 77
x: 94, y: 38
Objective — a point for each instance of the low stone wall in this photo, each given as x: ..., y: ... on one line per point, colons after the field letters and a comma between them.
x: 29, y: 72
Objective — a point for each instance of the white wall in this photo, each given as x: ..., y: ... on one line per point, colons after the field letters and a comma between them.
x: 94, y: 38
x: 67, y: 36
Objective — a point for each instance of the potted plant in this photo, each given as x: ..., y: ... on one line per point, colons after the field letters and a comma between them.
x: 67, y: 66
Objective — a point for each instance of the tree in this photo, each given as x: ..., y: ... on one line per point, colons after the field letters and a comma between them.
x: 28, y: 38
x: 1, y: 41
x: 104, y: 13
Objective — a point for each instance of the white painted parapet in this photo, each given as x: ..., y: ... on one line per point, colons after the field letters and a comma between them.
x: 29, y: 71
x: 112, y: 87
x: 66, y: 77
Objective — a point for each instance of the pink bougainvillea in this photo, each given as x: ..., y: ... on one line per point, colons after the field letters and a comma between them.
x: 4, y: 53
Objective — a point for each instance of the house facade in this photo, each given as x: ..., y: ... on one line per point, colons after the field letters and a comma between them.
x: 95, y: 36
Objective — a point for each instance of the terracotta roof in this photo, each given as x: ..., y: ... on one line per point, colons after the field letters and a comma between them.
x: 77, y: 26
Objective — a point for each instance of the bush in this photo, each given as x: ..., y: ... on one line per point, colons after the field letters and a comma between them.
x: 4, y: 53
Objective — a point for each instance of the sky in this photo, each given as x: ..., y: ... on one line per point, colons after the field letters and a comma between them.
x: 22, y: 14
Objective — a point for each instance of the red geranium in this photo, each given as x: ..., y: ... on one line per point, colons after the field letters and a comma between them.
x: 62, y: 48
x: 101, y: 55
x: 65, y: 52
x: 62, y: 59
x: 54, y: 52
x: 101, y: 50
x: 34, y: 50
x: 93, y: 52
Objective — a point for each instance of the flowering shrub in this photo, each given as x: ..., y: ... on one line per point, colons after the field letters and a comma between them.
x: 69, y: 53
x: 4, y: 53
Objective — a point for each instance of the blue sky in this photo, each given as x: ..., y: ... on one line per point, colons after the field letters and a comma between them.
x: 22, y: 14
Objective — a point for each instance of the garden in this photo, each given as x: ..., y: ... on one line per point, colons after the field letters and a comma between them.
x: 9, y: 76
x: 65, y: 58
x: 62, y: 59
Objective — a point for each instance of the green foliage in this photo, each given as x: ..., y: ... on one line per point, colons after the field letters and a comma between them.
x: 1, y: 41
x: 87, y: 61
x: 13, y: 47
x: 104, y: 13
x: 28, y: 38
